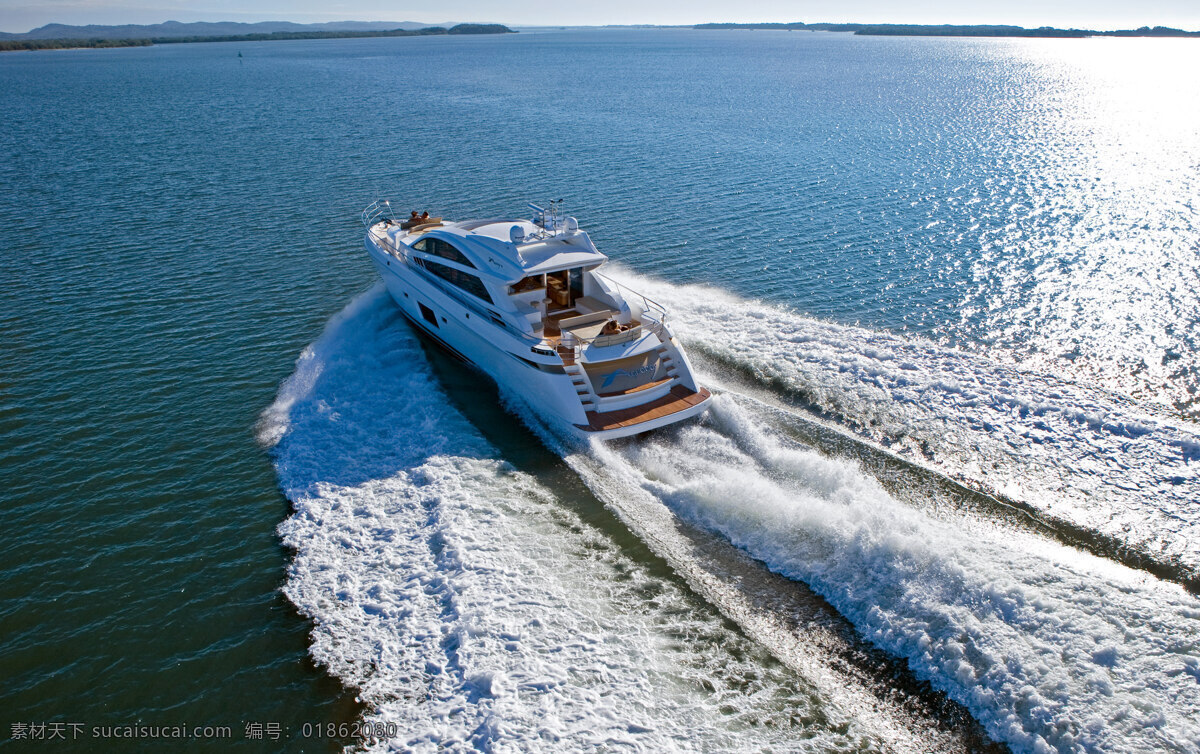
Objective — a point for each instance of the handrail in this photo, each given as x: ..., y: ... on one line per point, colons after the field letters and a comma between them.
x: 621, y: 337
x: 655, y: 326
x: 376, y: 210
x: 647, y: 303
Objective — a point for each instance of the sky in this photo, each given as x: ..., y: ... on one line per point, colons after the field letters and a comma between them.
x: 23, y: 15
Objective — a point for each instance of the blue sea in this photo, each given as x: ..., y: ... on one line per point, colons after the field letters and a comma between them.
x: 946, y: 291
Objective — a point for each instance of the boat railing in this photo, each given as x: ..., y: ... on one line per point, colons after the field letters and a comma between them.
x: 655, y: 323
x: 648, y: 305
x: 614, y: 339
x: 380, y: 209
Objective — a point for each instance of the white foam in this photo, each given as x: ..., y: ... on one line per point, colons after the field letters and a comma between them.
x: 274, y: 420
x: 473, y: 609
x: 1051, y: 649
x: 470, y: 607
x: 1083, y: 455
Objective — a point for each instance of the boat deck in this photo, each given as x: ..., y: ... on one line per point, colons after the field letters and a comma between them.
x: 588, y: 332
x: 679, y: 399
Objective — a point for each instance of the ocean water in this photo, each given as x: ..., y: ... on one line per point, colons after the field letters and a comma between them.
x: 945, y: 500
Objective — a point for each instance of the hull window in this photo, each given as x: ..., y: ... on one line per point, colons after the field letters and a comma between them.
x: 428, y: 314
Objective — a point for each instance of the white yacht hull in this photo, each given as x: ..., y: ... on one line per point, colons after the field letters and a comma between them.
x: 540, y: 379
x: 465, y: 336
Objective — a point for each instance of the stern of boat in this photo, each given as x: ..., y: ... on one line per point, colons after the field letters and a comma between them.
x: 627, y: 391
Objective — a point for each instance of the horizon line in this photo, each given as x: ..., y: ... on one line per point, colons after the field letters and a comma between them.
x: 616, y: 25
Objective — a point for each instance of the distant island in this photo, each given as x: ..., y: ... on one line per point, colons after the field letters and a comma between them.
x: 948, y: 30
x: 60, y: 36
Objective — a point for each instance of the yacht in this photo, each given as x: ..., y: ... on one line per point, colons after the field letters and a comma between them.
x: 524, y: 301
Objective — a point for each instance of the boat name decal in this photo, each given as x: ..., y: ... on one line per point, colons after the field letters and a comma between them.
x: 623, y: 373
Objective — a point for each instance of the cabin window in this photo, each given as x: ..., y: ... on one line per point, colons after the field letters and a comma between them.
x: 459, y: 279
x: 524, y: 285
x: 439, y: 248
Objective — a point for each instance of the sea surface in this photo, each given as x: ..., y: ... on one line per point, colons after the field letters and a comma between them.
x: 947, y: 499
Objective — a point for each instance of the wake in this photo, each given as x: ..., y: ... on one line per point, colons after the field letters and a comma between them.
x: 1084, y: 459
x: 465, y: 601
x: 1050, y: 648
x: 466, y: 604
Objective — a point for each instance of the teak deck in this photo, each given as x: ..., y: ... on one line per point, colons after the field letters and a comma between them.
x: 679, y: 399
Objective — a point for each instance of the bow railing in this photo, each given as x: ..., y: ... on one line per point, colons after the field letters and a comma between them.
x: 380, y: 209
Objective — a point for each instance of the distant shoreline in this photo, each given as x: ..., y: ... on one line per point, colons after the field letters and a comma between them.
x: 950, y: 30
x: 13, y: 45
x: 894, y: 30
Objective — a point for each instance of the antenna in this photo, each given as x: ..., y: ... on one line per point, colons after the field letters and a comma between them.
x: 556, y: 211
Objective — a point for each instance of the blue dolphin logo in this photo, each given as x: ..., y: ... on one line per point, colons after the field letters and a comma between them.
x: 612, y: 376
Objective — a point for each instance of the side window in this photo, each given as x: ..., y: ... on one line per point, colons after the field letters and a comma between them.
x: 439, y: 248
x: 464, y: 280
x: 445, y: 250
